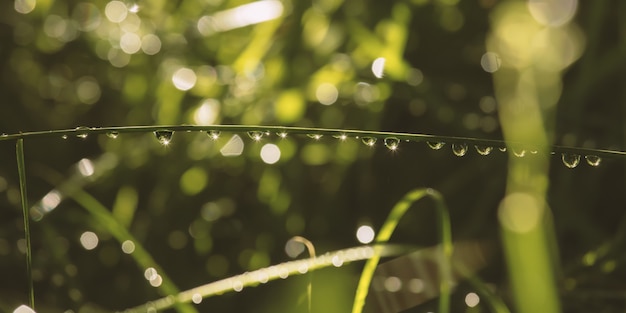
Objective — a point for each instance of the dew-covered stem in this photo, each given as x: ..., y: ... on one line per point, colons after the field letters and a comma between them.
x: 445, y: 237
x: 21, y: 168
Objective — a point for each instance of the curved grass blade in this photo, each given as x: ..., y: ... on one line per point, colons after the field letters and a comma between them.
x: 445, y: 236
x: 343, y: 133
x: 311, y: 249
x: 141, y: 255
x: 21, y: 168
x: 274, y: 272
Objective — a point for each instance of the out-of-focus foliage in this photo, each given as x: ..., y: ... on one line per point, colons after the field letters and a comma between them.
x: 207, y: 208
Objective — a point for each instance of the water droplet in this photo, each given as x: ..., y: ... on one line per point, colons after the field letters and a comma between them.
x: 593, y: 160
x: 255, y: 135
x: 82, y: 132
x: 113, y: 134
x: 459, y: 149
x: 520, y: 153
x: 63, y: 136
x: 341, y: 136
x: 570, y: 160
x: 315, y: 136
x: 213, y: 134
x: 4, y: 135
x: 483, y: 150
x: 436, y: 145
x: 237, y: 286
x: 502, y: 149
x: 533, y: 151
x: 164, y: 136
x: 369, y: 141
x: 392, y: 143
x: 282, y: 134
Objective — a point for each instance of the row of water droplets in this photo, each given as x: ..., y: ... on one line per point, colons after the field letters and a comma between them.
x: 570, y: 160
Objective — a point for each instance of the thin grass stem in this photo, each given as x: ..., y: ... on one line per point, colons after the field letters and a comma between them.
x: 21, y: 168
x: 445, y: 237
x: 343, y: 133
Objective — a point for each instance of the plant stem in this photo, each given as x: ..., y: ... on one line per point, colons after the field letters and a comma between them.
x: 445, y: 236
x: 321, y: 131
x: 21, y: 168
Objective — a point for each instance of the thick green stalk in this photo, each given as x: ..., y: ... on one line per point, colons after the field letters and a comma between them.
x: 21, y: 168
x: 445, y: 237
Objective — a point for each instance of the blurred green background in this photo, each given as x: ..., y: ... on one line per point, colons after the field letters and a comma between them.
x: 419, y: 66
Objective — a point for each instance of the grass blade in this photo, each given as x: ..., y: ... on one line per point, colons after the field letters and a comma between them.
x: 445, y: 236
x: 141, y: 255
x: 21, y: 168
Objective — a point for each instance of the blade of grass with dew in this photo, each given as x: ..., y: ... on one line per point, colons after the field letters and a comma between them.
x: 274, y: 272
x: 140, y: 255
x: 445, y: 236
x: 345, y: 133
x: 21, y: 168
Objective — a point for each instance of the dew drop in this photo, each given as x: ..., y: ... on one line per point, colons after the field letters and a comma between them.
x: 82, y: 132
x: 369, y: 141
x: 483, y: 150
x: 63, y: 136
x: 281, y: 134
x: 593, y: 160
x: 392, y: 143
x: 341, y: 137
x: 4, y: 135
x: 315, y: 136
x: 570, y: 160
x: 520, y: 153
x: 255, y: 135
x: 113, y: 134
x: 237, y: 286
x: 164, y: 136
x: 436, y: 145
x: 213, y: 134
x: 533, y: 151
x: 459, y: 149
x: 502, y: 149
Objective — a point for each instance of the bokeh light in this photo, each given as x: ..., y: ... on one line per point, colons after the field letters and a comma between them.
x: 365, y: 234
x: 270, y: 153
x: 116, y: 11
x: 89, y: 240
x: 184, y: 79
x: 472, y: 299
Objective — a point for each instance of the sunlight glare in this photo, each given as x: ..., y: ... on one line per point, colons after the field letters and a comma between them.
x: 270, y: 153
x: 233, y: 148
x: 378, y: 67
x: 89, y: 240
x: 472, y: 299
x: 365, y: 234
x: 184, y: 79
x: 23, y: 309
x: 241, y: 16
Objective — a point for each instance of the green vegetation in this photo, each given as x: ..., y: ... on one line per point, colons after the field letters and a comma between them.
x: 179, y: 156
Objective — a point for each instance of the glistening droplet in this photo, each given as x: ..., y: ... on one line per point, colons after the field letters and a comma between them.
x: 113, y: 134
x: 392, y: 143
x: 459, y: 149
x: 483, y: 150
x: 593, y: 160
x: 315, y: 136
x: 341, y: 137
x: 282, y: 134
x: 369, y: 141
x: 213, y: 134
x: 520, y: 153
x: 164, y: 136
x: 63, y: 136
x: 436, y: 145
x: 255, y: 135
x: 82, y: 132
x: 502, y: 149
x: 570, y: 160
